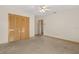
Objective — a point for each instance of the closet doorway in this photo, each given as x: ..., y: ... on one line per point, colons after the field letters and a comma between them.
x: 18, y: 27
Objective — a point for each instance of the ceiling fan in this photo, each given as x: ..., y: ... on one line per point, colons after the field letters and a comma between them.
x: 44, y: 9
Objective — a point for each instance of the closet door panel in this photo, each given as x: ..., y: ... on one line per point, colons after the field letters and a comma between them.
x: 24, y: 28
x: 11, y: 27
x: 27, y: 28
x: 17, y: 27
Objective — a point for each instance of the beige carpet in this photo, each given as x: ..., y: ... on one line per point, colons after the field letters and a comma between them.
x: 40, y: 45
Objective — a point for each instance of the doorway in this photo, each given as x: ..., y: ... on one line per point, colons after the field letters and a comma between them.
x: 18, y: 27
x: 40, y: 27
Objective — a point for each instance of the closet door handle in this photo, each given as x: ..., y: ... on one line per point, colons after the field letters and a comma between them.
x: 11, y: 29
x: 23, y: 30
x: 19, y: 31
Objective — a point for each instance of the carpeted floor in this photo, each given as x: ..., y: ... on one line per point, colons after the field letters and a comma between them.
x: 40, y: 45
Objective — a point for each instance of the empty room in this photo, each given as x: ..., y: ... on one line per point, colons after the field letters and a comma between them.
x: 39, y: 29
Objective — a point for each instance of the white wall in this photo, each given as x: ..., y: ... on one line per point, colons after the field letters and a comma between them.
x: 4, y: 22
x: 63, y: 25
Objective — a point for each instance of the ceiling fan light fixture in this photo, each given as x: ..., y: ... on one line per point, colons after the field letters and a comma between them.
x: 43, y: 9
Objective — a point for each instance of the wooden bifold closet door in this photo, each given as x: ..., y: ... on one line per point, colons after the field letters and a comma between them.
x: 18, y: 27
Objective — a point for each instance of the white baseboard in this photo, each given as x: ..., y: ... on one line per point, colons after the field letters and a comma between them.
x: 62, y: 38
